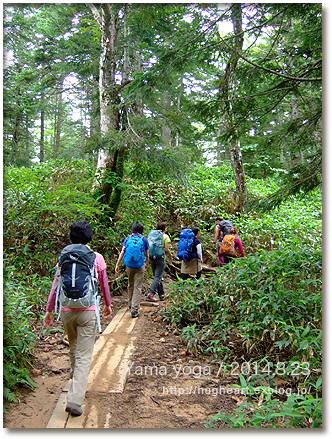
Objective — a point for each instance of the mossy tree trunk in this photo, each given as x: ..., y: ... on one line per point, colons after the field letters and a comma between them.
x: 110, y: 164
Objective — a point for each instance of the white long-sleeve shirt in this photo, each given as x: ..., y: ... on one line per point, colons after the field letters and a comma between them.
x: 199, y: 252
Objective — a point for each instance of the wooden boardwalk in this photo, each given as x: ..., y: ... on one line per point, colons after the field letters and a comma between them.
x: 108, y: 372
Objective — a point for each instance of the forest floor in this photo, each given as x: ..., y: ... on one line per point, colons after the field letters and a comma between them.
x: 166, y: 387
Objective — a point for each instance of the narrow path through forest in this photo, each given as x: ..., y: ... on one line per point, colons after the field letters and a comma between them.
x: 141, y: 377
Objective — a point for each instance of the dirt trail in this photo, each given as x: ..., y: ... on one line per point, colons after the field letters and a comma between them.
x: 165, y: 387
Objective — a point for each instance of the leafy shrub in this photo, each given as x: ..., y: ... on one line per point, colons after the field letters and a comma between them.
x: 39, y: 205
x: 197, y: 202
x: 269, y: 300
x: 268, y: 304
x: 289, y: 408
x: 266, y: 310
x: 12, y: 376
x: 298, y: 411
x: 298, y: 222
x: 18, y: 337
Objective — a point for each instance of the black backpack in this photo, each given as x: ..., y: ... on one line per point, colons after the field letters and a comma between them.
x: 225, y: 226
x: 77, y: 284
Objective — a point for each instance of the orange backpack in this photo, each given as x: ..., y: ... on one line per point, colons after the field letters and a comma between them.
x: 227, y: 247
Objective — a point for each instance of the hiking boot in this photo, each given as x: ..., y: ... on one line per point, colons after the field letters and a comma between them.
x: 134, y: 314
x: 150, y: 298
x: 74, y: 409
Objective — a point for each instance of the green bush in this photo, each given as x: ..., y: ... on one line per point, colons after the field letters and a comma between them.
x: 264, y: 311
x: 297, y: 411
x: 266, y: 306
x: 271, y: 301
x: 20, y: 297
x: 39, y: 205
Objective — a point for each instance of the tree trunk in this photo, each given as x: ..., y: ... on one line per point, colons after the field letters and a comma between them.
x: 42, y: 129
x: 110, y: 164
x: 17, y: 132
x: 137, y: 106
x: 119, y: 163
x: 222, y: 150
x: 166, y: 130
x: 109, y: 114
x: 228, y: 90
x: 58, y: 120
x: 27, y: 141
x: 93, y: 110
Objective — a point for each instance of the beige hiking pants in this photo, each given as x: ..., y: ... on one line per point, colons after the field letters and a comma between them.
x: 81, y: 328
x: 135, y: 285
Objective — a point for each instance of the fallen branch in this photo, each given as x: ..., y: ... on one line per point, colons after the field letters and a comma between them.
x: 208, y: 269
x: 154, y: 400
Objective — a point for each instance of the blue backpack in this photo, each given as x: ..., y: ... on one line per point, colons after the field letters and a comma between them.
x: 155, y: 239
x: 134, y: 256
x: 186, y: 247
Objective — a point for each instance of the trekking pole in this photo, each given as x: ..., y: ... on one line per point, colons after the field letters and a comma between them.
x: 98, y: 313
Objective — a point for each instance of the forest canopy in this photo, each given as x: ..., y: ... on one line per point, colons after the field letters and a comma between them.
x: 139, y: 89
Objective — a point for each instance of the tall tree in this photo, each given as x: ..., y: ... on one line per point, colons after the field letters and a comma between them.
x: 127, y: 130
x: 228, y: 95
x: 277, y: 65
x: 112, y: 119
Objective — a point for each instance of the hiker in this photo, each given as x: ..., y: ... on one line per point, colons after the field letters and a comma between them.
x: 231, y: 246
x: 158, y: 247
x: 79, y: 318
x: 221, y: 229
x: 135, y: 255
x: 216, y: 230
x: 190, y: 252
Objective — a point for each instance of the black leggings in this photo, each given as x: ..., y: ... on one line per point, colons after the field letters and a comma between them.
x: 228, y: 259
x: 185, y: 276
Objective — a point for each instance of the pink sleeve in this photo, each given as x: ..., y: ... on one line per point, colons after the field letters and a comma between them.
x: 102, y: 278
x: 239, y: 245
x: 52, y: 296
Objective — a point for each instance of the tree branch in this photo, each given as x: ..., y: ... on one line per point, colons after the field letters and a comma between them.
x: 292, y: 78
x: 96, y: 14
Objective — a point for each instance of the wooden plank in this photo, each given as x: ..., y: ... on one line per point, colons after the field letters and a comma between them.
x: 59, y: 416
x: 76, y: 421
x: 108, y: 373
x: 123, y: 368
x: 115, y: 321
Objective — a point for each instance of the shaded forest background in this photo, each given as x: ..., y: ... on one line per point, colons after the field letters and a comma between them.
x: 180, y: 112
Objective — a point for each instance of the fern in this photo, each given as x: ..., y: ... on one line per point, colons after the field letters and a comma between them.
x: 12, y: 376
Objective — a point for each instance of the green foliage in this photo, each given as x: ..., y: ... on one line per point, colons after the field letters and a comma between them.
x: 297, y: 411
x: 39, y: 205
x: 12, y: 376
x: 290, y: 408
x: 301, y: 180
x: 270, y: 302
x: 297, y: 221
x: 207, y: 193
x: 18, y: 336
x: 264, y: 308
